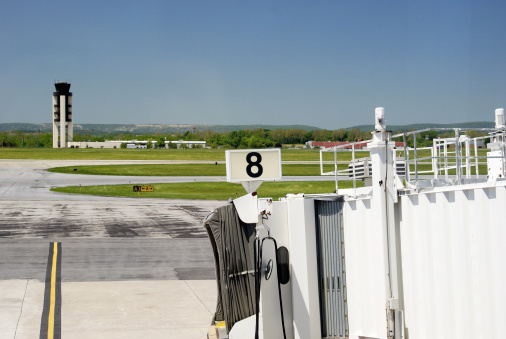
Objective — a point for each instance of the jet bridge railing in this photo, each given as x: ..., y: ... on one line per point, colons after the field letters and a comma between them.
x: 344, y: 174
x: 449, y: 157
x: 455, y: 157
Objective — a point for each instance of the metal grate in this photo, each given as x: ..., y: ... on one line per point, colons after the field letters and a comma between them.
x: 360, y: 168
x: 363, y: 168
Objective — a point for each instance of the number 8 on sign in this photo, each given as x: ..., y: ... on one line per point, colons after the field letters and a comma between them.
x: 254, y: 164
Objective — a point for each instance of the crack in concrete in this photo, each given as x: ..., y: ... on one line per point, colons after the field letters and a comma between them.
x: 191, y: 289
x: 21, y: 310
x: 8, y: 188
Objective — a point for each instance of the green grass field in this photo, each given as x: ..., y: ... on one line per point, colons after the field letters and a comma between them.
x: 176, y: 154
x: 111, y: 154
x: 159, y: 154
x: 184, y: 170
x: 209, y: 190
x: 219, y: 191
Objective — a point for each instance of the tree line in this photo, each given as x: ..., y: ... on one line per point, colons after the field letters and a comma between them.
x: 256, y: 138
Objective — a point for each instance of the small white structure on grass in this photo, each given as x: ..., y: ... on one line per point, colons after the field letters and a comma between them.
x: 188, y: 144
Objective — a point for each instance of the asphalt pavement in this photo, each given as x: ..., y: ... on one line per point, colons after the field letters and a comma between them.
x: 129, y: 267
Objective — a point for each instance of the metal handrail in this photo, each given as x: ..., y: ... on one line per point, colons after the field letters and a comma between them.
x: 459, y: 163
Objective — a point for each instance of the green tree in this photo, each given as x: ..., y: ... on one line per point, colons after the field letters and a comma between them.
x: 278, y: 135
x: 295, y: 136
x: 234, y: 138
x: 354, y: 134
x: 321, y: 135
x: 160, y: 143
x: 339, y: 135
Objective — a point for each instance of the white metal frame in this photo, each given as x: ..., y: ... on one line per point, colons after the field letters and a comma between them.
x: 443, y: 159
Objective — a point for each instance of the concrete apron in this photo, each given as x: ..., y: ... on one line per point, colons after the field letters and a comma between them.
x: 111, y: 309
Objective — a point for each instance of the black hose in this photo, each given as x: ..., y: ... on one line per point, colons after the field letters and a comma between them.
x: 258, y: 279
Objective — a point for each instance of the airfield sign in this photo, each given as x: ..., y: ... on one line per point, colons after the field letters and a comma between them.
x: 253, y: 165
x: 143, y: 188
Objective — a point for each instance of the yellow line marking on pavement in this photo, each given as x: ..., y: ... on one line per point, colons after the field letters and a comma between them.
x: 50, y: 323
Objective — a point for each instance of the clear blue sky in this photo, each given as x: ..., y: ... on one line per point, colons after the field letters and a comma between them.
x: 322, y: 63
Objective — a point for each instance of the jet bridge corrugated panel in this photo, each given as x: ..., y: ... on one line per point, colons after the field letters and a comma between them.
x: 453, y: 252
x: 331, y: 268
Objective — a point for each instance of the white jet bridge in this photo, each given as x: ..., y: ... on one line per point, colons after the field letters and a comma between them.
x: 413, y: 250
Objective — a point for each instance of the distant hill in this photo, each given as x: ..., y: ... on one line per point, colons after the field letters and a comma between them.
x: 406, y: 128
x: 144, y: 129
x: 97, y: 129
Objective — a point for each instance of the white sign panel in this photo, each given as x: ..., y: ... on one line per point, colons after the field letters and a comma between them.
x: 253, y: 164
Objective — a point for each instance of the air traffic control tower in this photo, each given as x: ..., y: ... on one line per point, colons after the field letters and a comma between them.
x: 62, y: 114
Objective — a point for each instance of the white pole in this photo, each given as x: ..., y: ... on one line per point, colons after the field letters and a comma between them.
x: 468, y: 160
x: 475, y: 140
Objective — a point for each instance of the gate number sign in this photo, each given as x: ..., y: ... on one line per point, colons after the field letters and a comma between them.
x: 253, y: 164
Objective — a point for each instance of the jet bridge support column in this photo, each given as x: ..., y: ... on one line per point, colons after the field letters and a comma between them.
x: 383, y: 203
